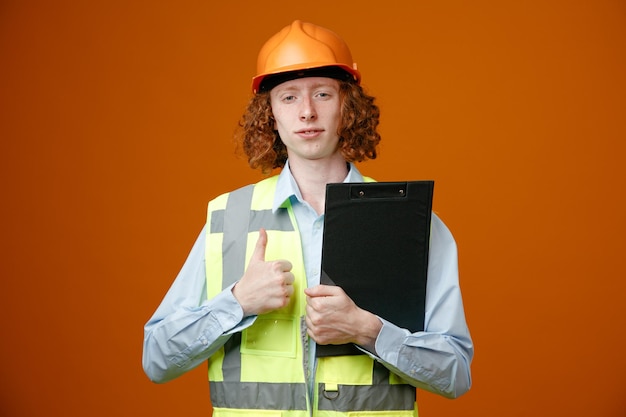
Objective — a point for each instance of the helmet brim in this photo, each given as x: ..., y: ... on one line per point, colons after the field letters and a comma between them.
x: 267, y: 81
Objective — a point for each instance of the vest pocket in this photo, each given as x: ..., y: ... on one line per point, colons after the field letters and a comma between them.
x: 271, y: 335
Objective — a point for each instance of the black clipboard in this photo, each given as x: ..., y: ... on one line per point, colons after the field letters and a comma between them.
x: 375, y: 246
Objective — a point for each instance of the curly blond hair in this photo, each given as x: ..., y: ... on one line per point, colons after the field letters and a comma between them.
x: 358, y: 134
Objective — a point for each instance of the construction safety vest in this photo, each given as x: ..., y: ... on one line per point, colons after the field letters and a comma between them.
x: 262, y: 371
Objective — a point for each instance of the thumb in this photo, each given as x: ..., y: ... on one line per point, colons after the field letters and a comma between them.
x: 261, y: 244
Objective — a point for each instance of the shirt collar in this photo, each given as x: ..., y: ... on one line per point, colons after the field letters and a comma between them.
x: 286, y: 186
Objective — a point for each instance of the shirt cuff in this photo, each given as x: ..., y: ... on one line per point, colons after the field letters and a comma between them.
x: 228, y: 312
x: 388, y: 341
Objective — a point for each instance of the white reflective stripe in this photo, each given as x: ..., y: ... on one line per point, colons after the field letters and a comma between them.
x: 286, y: 396
x: 258, y: 219
x: 236, y: 219
x: 380, y: 374
x: 258, y: 395
x: 231, y: 364
x: 385, y: 397
x: 269, y: 221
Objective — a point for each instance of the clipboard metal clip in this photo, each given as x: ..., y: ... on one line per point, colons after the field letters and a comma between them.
x: 378, y: 190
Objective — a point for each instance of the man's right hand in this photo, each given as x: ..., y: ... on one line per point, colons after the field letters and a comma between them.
x: 266, y: 285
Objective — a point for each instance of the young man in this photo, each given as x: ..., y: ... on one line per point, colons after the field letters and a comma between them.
x: 248, y: 298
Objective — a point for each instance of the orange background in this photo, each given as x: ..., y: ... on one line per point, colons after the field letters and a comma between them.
x: 116, y: 121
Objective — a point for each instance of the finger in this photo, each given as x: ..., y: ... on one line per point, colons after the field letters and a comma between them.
x: 261, y: 244
x: 289, y: 289
x: 321, y: 291
x: 309, y: 309
x: 283, y: 265
x: 289, y: 278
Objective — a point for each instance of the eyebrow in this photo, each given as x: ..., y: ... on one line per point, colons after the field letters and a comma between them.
x: 318, y: 84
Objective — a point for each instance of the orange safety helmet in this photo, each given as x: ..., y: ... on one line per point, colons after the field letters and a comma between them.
x: 303, y: 49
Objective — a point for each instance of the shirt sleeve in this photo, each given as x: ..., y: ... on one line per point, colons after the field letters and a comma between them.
x: 437, y: 359
x: 187, y: 328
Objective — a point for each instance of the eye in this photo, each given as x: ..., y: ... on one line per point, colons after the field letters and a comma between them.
x: 324, y: 95
x: 288, y: 98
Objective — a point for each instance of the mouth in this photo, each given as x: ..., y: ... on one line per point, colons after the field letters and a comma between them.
x: 309, y: 132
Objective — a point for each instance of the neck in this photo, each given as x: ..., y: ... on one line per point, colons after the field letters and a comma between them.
x: 313, y: 176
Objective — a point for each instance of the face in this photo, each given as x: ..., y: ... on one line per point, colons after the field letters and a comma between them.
x: 308, y: 113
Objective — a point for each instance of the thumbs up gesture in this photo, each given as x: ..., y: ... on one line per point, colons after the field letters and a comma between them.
x: 266, y: 285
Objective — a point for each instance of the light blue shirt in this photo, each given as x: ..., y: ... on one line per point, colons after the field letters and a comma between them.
x: 186, y: 328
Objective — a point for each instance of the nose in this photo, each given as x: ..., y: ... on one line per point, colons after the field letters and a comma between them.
x: 307, y: 111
